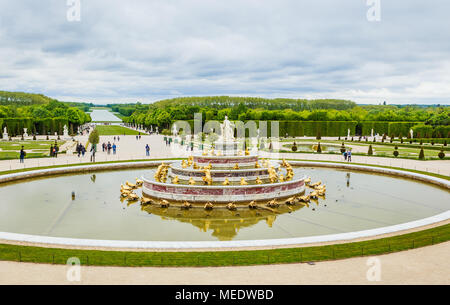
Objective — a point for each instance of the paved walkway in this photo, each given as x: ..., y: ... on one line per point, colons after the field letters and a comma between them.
x: 130, y: 148
x: 428, y: 265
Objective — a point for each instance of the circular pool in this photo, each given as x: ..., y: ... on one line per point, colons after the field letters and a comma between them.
x: 355, y: 201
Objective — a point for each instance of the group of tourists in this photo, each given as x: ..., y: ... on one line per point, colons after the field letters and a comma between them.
x: 168, y: 141
x: 54, y: 149
x: 81, y: 150
x: 347, y: 155
x: 108, y: 147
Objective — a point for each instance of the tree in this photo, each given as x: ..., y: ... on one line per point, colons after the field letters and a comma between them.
x: 294, y: 147
x: 422, y: 154
x: 94, y: 137
x: 319, y: 148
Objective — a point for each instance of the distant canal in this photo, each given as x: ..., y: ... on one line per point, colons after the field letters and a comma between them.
x: 102, y: 115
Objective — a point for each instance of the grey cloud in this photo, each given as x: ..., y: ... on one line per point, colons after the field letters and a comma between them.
x: 148, y: 50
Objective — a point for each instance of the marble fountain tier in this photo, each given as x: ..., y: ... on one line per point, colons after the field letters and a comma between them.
x: 238, y: 177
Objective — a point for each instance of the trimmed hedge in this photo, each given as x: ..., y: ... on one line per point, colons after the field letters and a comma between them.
x: 395, y: 129
x: 41, y: 126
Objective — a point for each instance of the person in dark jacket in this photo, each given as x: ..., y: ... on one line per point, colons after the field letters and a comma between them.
x: 22, y: 155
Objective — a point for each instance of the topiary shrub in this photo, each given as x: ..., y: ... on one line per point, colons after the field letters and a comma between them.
x: 401, y: 140
x: 343, y: 148
x: 318, y: 137
x: 396, y: 147
x: 445, y: 143
x: 421, y: 154
x: 441, y: 154
x: 294, y: 147
x: 395, y: 153
x: 319, y: 148
x: 370, y: 152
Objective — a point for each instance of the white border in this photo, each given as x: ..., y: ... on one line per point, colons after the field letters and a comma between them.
x: 229, y: 244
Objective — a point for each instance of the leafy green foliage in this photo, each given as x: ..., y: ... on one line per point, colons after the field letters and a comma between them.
x: 94, y: 137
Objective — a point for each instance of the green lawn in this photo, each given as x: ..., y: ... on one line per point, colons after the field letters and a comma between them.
x: 227, y: 258
x: 113, y: 130
x: 35, y: 145
x: 406, y: 151
x: 10, y: 149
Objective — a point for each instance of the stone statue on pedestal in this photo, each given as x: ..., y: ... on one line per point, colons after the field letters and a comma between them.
x: 5, y: 134
x: 227, y: 129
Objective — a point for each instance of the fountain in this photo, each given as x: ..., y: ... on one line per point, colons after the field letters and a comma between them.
x: 223, y: 174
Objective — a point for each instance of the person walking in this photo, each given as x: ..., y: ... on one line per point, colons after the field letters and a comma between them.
x: 345, y: 155
x: 22, y: 155
x: 83, y: 150
x: 147, y: 150
x: 114, y: 148
x: 51, y: 151
x: 349, y: 156
x: 93, y: 153
x: 55, y: 151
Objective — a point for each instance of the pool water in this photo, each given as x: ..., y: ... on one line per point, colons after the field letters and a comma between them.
x: 354, y: 201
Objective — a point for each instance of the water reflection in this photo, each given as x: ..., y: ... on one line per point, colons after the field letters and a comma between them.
x: 223, y: 224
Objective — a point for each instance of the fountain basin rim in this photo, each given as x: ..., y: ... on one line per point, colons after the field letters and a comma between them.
x: 36, y: 239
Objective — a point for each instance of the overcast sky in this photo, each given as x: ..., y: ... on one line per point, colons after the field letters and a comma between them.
x: 146, y: 50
